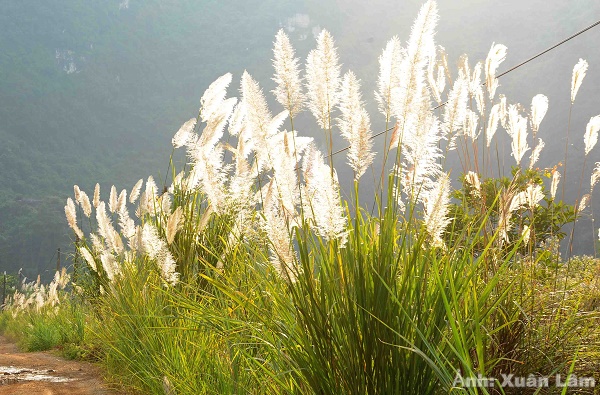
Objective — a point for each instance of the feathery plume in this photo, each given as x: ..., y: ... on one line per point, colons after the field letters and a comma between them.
x: 278, y: 229
x: 113, y: 200
x: 437, y: 80
x: 323, y: 79
x: 492, y: 125
x: 287, y: 75
x: 110, y: 265
x: 495, y: 57
x: 555, y: 181
x: 591, y: 133
x: 106, y: 230
x: 84, y: 200
x: 473, y: 180
x: 96, y: 200
x: 470, y: 125
x: 421, y: 154
x: 135, y: 191
x: 322, y: 203
x: 214, y: 96
x: 174, y: 224
x: 389, y: 74
x: 506, y: 209
x: 539, y: 107
x: 535, y: 154
x: 595, y: 176
x: 87, y: 255
x: 578, y: 75
x: 182, y: 136
x: 517, y: 129
x: 71, y: 215
x: 355, y: 125
x: 529, y: 198
x: 411, y: 96
x: 77, y: 193
x: 455, y: 110
x: 156, y: 249
x: 436, y: 210
x: 122, y: 201
x: 525, y: 233
x: 585, y: 201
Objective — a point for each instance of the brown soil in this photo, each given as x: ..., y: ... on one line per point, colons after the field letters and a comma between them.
x: 44, y: 373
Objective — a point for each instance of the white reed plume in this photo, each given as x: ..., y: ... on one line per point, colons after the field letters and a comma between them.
x: 323, y: 79
x: 87, y: 255
x: 436, y: 210
x: 535, y: 154
x: 355, y: 125
x: 584, y: 202
x: 113, y: 200
x: 322, y: 203
x: 455, y: 110
x: 503, y: 111
x: 77, y: 192
x: 106, y: 230
x: 284, y: 173
x: 287, y: 75
x: 539, y: 107
x: 148, y: 199
x: 174, y: 224
x: 184, y: 133
x: 436, y: 77
x: 495, y: 57
x: 278, y: 229
x: 555, y: 181
x: 473, y: 180
x: 122, y: 201
x: 156, y: 249
x: 96, y: 200
x: 578, y: 75
x: 71, y: 215
x: 213, y: 97
x: 410, y: 97
x: 506, y: 209
x: 135, y: 191
x: 126, y: 224
x: 84, y: 201
x: 259, y: 122
x: 591, y: 133
x: 237, y: 121
x: 110, y: 266
x: 529, y: 198
x: 389, y: 75
x: 526, y: 233
x: 421, y: 154
x: 471, y: 123
x: 210, y: 174
x: 492, y: 126
x: 517, y: 129
x: 595, y: 177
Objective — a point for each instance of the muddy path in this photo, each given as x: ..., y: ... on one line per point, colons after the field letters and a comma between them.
x: 44, y: 373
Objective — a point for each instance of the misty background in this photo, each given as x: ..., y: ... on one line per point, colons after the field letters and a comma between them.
x: 94, y: 91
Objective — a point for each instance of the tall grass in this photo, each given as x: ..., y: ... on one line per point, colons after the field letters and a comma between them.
x: 251, y: 274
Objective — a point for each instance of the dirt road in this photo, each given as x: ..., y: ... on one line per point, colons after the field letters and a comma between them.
x: 44, y: 373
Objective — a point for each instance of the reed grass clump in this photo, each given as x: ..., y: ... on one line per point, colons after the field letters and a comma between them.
x: 251, y: 273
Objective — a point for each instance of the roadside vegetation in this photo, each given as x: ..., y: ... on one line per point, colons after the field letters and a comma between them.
x: 249, y: 272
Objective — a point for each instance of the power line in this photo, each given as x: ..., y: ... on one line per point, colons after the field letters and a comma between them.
x: 498, y: 76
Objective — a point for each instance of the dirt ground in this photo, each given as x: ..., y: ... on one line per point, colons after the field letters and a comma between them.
x: 44, y: 373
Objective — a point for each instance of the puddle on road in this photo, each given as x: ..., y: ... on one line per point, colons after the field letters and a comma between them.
x: 12, y: 374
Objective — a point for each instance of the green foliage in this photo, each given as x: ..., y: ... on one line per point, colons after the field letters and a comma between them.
x: 476, y: 213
